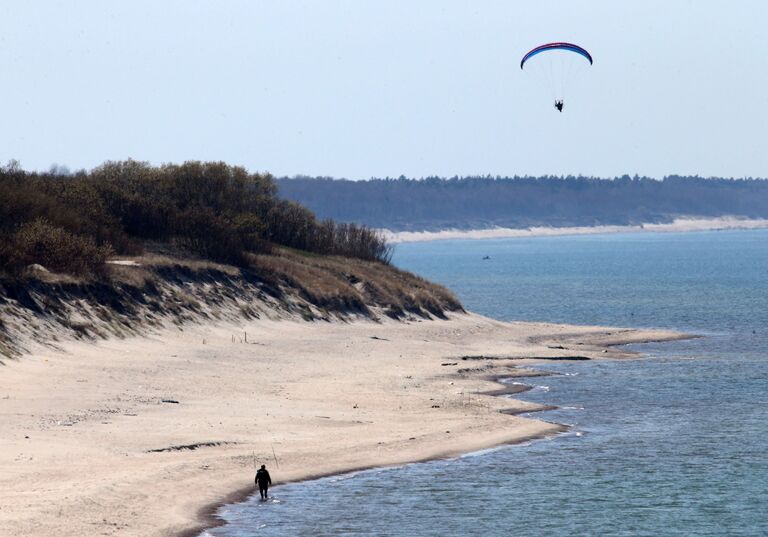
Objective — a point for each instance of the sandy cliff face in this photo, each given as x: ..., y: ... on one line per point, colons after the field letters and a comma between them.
x: 139, y: 296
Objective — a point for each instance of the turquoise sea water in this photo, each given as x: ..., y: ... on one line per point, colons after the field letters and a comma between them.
x: 675, y: 444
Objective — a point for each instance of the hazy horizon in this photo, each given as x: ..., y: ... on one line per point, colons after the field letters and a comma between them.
x: 361, y: 89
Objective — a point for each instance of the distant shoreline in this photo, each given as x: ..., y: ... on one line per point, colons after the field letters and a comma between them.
x: 677, y: 225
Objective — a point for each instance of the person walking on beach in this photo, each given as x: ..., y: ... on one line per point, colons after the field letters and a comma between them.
x: 263, y: 481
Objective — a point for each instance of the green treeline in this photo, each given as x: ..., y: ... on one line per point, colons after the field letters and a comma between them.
x: 73, y: 223
x: 482, y: 202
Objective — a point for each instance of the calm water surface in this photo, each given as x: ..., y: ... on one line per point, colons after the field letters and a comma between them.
x: 676, y: 444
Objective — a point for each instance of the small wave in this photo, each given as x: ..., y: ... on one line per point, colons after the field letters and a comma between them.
x: 571, y: 433
x: 351, y: 475
x: 571, y: 408
x: 481, y: 452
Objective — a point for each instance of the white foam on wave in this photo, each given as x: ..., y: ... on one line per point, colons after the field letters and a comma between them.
x: 481, y: 452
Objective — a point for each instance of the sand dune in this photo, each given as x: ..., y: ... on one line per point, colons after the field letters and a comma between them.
x: 141, y: 436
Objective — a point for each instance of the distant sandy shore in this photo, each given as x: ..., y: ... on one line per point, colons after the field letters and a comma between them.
x: 93, y: 436
x: 678, y: 225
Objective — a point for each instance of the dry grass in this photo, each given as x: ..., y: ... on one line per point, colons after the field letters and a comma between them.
x: 157, y: 289
x: 339, y: 282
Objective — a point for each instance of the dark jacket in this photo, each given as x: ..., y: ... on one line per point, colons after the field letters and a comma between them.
x: 262, y: 477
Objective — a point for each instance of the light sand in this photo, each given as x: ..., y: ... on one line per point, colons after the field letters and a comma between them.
x: 78, y: 426
x: 678, y: 225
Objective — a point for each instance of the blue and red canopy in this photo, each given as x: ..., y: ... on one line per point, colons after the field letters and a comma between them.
x: 556, y: 46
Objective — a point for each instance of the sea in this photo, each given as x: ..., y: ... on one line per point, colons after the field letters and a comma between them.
x: 674, y: 444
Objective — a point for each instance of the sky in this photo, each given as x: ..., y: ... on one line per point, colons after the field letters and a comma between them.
x: 361, y: 89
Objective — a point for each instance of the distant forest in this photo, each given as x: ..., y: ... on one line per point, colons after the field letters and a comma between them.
x: 517, y: 202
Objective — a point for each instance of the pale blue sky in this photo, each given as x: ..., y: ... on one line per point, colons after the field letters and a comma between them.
x: 360, y: 88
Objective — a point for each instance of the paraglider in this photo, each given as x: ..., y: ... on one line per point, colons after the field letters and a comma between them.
x: 556, y: 63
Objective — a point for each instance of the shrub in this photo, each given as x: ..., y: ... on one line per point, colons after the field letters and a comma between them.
x: 218, y: 211
x: 54, y: 248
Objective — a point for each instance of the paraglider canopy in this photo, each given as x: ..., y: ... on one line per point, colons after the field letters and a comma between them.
x: 556, y: 46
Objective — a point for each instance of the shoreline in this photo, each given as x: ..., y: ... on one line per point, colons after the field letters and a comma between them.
x: 209, y: 513
x: 678, y: 225
x: 94, y: 433
x: 209, y: 518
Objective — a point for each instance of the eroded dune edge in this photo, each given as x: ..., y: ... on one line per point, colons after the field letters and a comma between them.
x: 147, y: 435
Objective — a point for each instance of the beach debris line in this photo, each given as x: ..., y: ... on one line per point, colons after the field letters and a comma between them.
x: 575, y: 357
x: 190, y: 447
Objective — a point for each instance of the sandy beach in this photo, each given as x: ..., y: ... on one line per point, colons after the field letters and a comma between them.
x: 147, y: 435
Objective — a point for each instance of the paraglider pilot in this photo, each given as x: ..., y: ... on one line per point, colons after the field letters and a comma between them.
x: 559, y: 106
